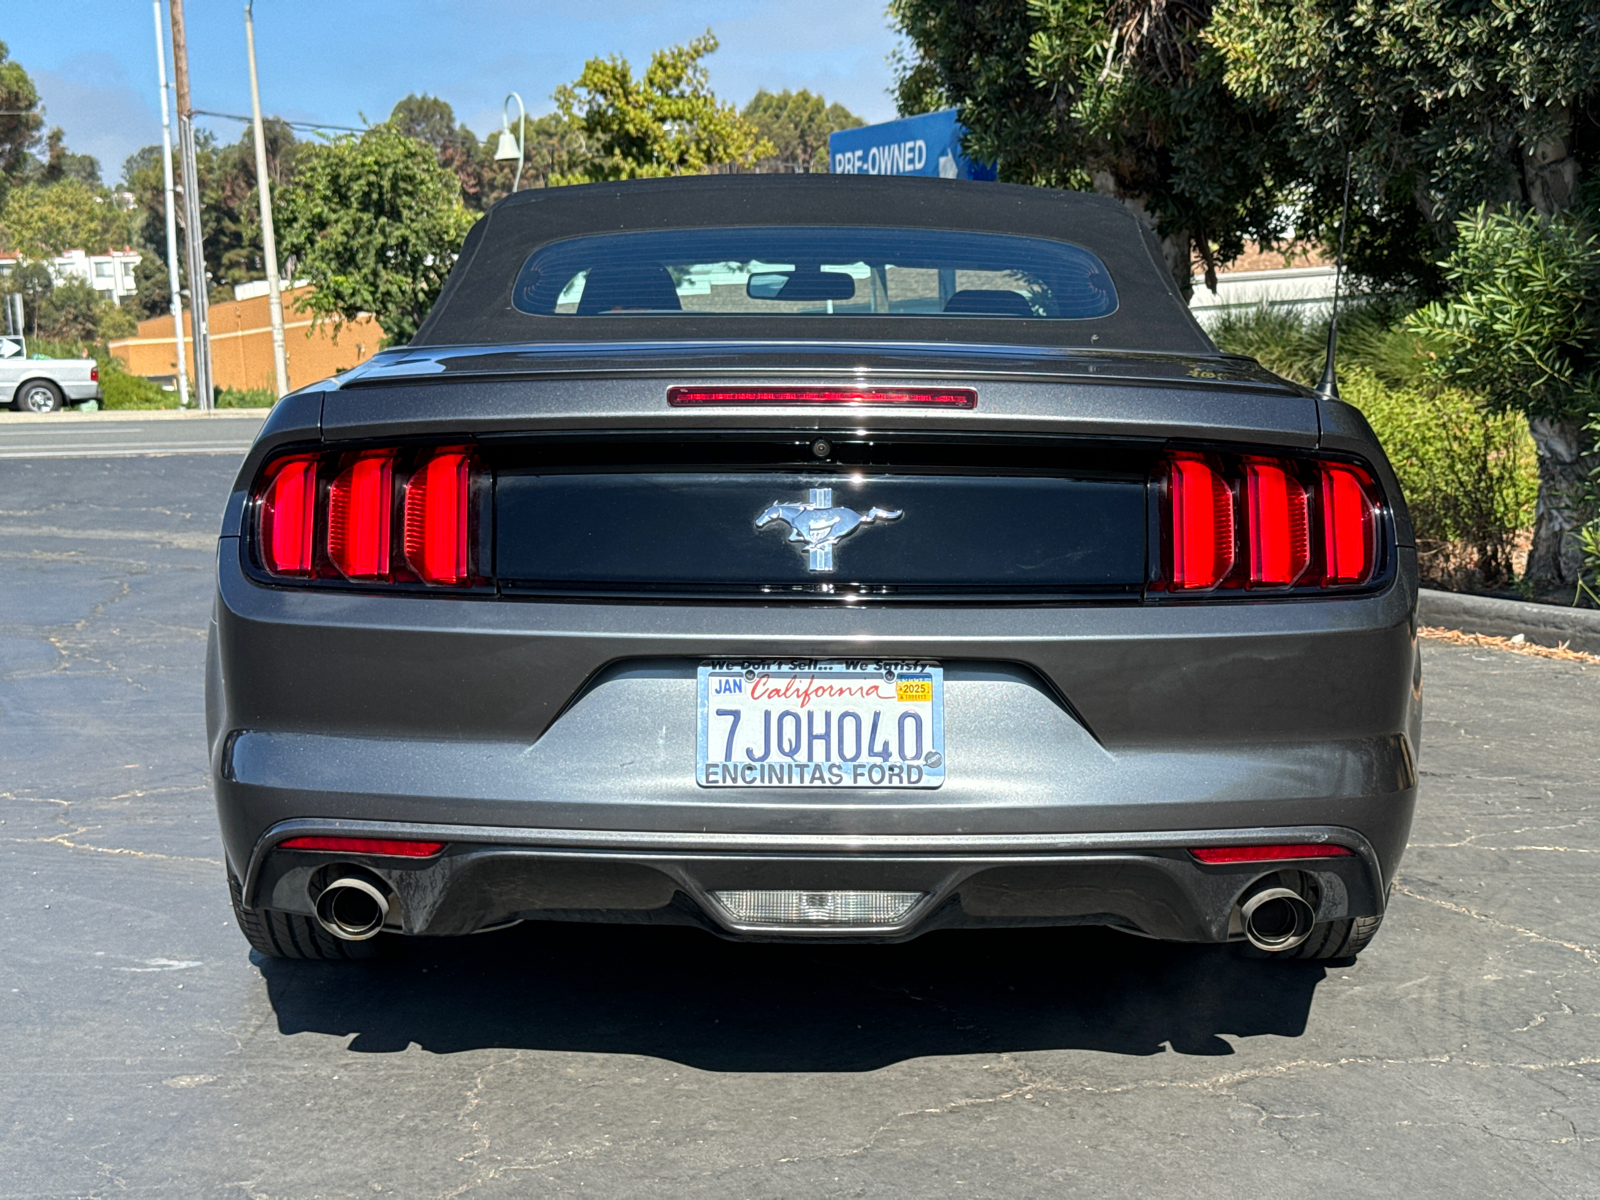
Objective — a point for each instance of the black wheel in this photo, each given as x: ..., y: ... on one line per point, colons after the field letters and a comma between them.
x: 290, y: 935
x: 1337, y: 939
x: 39, y: 396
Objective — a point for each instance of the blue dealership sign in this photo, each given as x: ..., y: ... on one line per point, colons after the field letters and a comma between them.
x: 926, y: 145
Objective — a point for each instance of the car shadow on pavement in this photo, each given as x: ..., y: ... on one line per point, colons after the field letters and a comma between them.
x: 688, y: 997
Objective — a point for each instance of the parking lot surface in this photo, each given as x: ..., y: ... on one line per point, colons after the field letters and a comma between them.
x: 145, y: 1052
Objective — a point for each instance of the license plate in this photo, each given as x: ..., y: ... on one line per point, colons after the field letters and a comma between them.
x: 820, y: 723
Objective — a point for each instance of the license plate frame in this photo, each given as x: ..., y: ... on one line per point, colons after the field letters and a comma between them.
x: 909, y: 691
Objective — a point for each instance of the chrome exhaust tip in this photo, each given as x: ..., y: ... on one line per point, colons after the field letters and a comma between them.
x: 1276, y: 919
x: 352, y: 909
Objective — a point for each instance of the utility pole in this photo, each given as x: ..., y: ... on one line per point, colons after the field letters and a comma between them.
x: 172, y: 219
x: 198, y: 307
x: 269, y: 239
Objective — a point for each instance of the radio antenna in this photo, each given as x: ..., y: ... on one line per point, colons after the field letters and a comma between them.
x: 1328, y: 387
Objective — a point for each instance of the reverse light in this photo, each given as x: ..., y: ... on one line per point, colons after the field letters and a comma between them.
x: 1222, y: 855
x: 360, y: 504
x: 1276, y: 524
x: 436, y: 527
x: 1202, y: 523
x: 286, y: 516
x: 897, y: 397
x: 391, y: 847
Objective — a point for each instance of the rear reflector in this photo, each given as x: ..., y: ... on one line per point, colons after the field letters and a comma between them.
x: 436, y: 518
x: 1253, y: 854
x: 1202, y: 523
x: 898, y: 397
x: 360, y: 504
x: 286, y: 515
x: 1348, y: 520
x: 349, y: 845
x: 1276, y: 524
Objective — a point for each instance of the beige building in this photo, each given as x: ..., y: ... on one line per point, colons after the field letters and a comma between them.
x: 241, y: 343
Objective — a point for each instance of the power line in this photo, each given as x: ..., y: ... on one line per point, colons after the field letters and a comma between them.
x: 205, y: 112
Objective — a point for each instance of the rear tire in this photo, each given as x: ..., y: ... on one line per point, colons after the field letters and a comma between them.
x: 38, y: 396
x: 1337, y: 939
x: 290, y: 935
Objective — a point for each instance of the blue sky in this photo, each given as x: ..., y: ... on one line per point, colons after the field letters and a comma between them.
x: 94, y: 60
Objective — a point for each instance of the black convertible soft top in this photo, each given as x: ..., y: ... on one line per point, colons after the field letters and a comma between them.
x: 476, y: 306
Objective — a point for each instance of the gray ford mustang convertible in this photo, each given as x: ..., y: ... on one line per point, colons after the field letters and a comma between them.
x: 813, y: 558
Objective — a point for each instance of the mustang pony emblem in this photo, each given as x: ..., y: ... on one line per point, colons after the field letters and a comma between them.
x: 820, y: 525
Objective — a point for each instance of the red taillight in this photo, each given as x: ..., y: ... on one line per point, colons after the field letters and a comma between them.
x: 94, y: 373
x: 1276, y: 524
x: 351, y: 845
x: 1298, y: 523
x: 360, y: 502
x: 1349, y: 516
x: 1202, y: 523
x: 899, y: 397
x: 286, y: 515
x: 1253, y: 854
x: 436, y: 518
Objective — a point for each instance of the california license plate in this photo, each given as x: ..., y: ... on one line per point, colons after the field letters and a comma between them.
x: 828, y: 723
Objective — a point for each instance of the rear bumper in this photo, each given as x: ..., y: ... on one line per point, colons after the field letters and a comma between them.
x: 551, y: 745
x: 1148, y: 885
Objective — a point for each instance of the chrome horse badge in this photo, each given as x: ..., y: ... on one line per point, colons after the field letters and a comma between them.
x: 820, y: 525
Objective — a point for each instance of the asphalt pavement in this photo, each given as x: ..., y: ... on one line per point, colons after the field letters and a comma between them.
x: 126, y: 434
x: 144, y: 1051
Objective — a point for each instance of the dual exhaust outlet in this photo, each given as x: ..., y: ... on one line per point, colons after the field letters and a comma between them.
x: 1274, y: 918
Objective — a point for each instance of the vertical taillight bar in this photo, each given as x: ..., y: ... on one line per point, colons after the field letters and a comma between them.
x: 286, y: 515
x: 1201, y: 523
x: 1297, y: 523
x: 1349, y: 525
x: 438, y: 501
x: 1276, y: 524
x: 360, y: 506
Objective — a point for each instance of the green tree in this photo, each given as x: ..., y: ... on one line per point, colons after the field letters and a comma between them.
x: 20, y: 120
x: 1470, y: 126
x: 1443, y: 106
x: 375, y: 224
x: 43, y: 220
x: 797, y: 124
x: 431, y: 120
x: 557, y: 150
x: 1522, y: 327
x: 668, y: 122
x: 1127, y: 98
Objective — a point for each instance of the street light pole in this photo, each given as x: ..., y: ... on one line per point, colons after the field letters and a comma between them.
x: 199, y: 302
x: 172, y: 216
x: 269, y: 240
x: 512, y: 147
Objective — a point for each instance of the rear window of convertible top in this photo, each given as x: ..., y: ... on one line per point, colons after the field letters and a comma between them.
x: 815, y: 271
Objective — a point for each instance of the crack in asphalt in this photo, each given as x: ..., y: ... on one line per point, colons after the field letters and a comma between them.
x: 1592, y: 955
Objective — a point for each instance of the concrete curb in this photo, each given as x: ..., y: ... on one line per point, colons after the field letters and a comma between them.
x: 8, y: 415
x: 1542, y: 624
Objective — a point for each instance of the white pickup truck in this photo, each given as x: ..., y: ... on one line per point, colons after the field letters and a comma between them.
x: 43, y: 385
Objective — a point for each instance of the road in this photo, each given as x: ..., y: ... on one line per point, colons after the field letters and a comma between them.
x: 122, y: 435
x: 146, y: 1052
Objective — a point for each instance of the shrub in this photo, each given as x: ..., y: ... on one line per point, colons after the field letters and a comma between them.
x: 246, y: 397
x: 1469, y: 475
